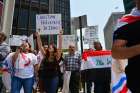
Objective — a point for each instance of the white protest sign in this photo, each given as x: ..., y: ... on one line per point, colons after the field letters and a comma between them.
x: 17, y: 40
x: 66, y: 40
x: 48, y: 23
x: 91, y: 35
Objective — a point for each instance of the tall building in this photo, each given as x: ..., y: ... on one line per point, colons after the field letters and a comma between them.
x: 110, y: 27
x: 128, y: 5
x: 63, y: 7
x: 24, y: 21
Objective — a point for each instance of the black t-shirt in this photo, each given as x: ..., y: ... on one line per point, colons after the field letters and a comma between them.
x: 131, y: 33
x: 49, y: 69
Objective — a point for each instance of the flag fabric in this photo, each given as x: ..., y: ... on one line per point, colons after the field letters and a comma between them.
x: 125, y: 20
x: 102, y: 59
x: 96, y: 59
x: 118, y: 77
x: 120, y: 85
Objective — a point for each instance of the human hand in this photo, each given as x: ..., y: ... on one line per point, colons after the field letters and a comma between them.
x: 36, y: 34
x: 61, y: 32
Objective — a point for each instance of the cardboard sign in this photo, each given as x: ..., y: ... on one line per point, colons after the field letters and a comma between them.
x: 48, y: 23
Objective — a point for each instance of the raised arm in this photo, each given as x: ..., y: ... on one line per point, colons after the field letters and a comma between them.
x: 15, y: 55
x: 39, y: 43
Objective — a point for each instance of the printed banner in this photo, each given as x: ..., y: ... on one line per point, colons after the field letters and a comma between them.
x: 96, y: 59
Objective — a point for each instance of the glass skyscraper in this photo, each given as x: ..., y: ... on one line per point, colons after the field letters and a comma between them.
x: 24, y: 20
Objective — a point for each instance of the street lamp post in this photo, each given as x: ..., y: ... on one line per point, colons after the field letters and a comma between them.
x: 81, y: 39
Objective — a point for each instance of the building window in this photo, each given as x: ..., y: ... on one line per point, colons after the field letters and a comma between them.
x: 44, y: 1
x: 22, y: 31
x: 15, y: 20
x: 33, y: 19
x: 17, y: 1
x: 35, y: 0
x: 23, y: 18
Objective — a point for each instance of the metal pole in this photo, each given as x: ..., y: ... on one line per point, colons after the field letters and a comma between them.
x: 81, y: 39
x: 51, y: 11
x: 81, y: 42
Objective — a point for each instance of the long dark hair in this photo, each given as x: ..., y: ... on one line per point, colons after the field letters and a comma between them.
x: 48, y: 52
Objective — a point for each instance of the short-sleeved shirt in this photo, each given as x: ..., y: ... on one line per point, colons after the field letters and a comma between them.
x: 23, y: 67
x: 131, y: 33
x: 72, y: 62
x: 26, y: 68
x: 48, y: 68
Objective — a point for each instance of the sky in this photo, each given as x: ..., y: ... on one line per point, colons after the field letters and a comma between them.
x: 97, y: 11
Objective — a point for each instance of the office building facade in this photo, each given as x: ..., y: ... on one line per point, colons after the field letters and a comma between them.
x: 24, y: 20
x: 110, y: 27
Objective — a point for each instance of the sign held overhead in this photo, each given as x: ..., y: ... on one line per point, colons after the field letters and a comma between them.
x: 48, y: 23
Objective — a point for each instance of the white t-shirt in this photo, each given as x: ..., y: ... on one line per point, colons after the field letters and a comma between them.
x: 24, y: 65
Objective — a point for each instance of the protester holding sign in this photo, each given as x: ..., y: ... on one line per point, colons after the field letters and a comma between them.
x: 49, y: 67
x: 98, y: 66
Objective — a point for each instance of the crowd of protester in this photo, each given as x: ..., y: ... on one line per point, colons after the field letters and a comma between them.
x: 45, y: 70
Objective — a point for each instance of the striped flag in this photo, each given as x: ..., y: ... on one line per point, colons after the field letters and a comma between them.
x: 120, y: 85
x: 96, y: 59
x: 103, y: 59
x: 118, y: 77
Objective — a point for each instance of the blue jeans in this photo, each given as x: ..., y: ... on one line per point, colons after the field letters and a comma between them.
x: 51, y: 84
x: 18, y: 83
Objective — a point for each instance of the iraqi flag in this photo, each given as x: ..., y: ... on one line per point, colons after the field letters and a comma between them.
x: 125, y: 20
x: 96, y: 59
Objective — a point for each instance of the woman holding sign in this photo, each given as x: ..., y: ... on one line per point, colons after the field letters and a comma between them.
x: 49, y: 66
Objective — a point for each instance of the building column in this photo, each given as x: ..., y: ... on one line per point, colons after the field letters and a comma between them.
x: 8, y: 18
